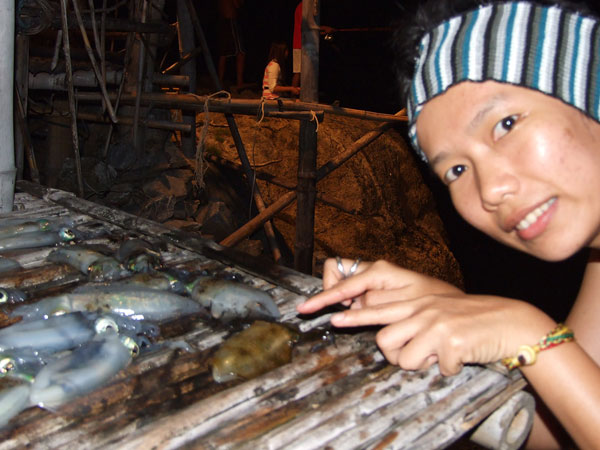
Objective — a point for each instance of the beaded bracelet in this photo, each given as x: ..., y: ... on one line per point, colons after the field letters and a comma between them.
x: 528, y: 355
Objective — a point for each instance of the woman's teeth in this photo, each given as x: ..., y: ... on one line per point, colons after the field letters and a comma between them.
x: 534, y: 215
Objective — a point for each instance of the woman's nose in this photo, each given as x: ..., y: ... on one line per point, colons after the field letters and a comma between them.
x: 496, y: 184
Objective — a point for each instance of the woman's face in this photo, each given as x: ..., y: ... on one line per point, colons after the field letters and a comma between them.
x: 520, y: 165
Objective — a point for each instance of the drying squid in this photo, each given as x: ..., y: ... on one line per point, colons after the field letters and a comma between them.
x: 36, y: 239
x: 138, y: 255
x: 10, y: 228
x: 131, y: 301
x: 8, y: 265
x: 97, y: 266
x: 163, y: 281
x: 11, y: 295
x: 258, y: 349
x: 83, y: 370
x: 54, y: 334
x: 12, y: 401
x: 22, y: 363
x: 228, y: 300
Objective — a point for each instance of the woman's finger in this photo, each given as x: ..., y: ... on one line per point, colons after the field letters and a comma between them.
x: 377, y: 315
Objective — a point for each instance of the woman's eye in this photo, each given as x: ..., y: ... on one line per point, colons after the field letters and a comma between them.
x: 453, y: 173
x: 504, y: 126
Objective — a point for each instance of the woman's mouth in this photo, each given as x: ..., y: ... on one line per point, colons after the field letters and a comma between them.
x: 525, y: 227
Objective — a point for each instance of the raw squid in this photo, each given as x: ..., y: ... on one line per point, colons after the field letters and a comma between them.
x: 10, y: 228
x: 54, y: 334
x: 22, y: 363
x: 228, y: 300
x: 261, y: 347
x: 11, y: 295
x: 83, y: 370
x: 131, y: 301
x: 96, y: 265
x: 156, y: 280
x: 8, y: 265
x: 12, y: 401
x: 36, y: 239
x: 138, y: 255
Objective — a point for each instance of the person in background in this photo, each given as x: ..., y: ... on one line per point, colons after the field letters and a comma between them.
x: 297, y: 43
x: 272, y: 87
x: 230, y: 39
x: 504, y: 106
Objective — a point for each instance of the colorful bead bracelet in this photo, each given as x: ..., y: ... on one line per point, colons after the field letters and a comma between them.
x: 527, y: 355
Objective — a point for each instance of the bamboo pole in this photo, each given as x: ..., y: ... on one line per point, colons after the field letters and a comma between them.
x: 306, y: 192
x: 21, y: 119
x: 71, y: 95
x: 90, y: 52
x: 125, y: 120
x: 288, y: 198
x: 248, y: 106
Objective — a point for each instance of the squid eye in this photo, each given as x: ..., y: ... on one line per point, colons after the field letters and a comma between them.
x: 3, y: 296
x: 131, y: 345
x: 66, y: 234
x: 105, y: 323
x: 7, y: 364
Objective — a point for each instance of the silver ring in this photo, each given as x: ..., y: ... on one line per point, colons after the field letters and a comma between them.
x: 354, y: 267
x: 340, y: 266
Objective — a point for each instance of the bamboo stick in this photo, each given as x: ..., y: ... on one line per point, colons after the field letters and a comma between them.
x: 288, y: 198
x: 248, y: 106
x: 71, y: 90
x: 158, y: 124
x: 90, y: 52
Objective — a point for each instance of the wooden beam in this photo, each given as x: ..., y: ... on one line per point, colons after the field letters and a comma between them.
x: 306, y: 192
x: 246, y: 106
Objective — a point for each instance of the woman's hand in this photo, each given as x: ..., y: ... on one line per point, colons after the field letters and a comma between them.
x: 372, y: 283
x: 428, y: 320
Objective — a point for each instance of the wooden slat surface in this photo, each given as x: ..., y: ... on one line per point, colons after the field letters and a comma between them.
x: 342, y: 394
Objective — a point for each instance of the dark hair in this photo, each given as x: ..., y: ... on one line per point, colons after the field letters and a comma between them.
x: 278, y: 52
x: 412, y: 27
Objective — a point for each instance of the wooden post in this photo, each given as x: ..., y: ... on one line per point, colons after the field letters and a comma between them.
x: 307, y: 191
x: 185, y: 32
x: 307, y: 158
x: 22, y: 85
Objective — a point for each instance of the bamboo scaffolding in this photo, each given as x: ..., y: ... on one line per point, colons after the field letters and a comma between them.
x: 285, y: 200
x: 126, y: 120
x: 247, y: 106
x: 71, y: 91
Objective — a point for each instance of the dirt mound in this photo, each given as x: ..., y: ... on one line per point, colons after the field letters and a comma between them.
x: 375, y: 206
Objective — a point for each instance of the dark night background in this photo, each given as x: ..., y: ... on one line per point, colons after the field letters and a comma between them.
x: 355, y: 69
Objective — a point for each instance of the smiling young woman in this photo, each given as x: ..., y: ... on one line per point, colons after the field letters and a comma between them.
x: 504, y: 104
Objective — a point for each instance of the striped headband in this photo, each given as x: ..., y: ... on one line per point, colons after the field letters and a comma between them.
x: 521, y: 43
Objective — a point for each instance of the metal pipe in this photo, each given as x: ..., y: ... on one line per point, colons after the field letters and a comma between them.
x: 7, y: 146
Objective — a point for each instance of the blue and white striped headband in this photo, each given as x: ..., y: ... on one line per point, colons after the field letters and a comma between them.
x: 521, y: 43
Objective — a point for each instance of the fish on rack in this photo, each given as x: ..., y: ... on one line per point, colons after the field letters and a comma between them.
x: 230, y: 300
x: 97, y: 266
x: 36, y: 239
x: 85, y: 369
x: 135, y: 302
x: 138, y: 255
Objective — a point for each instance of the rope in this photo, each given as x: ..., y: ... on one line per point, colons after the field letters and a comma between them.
x: 201, y: 164
x: 314, y: 117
